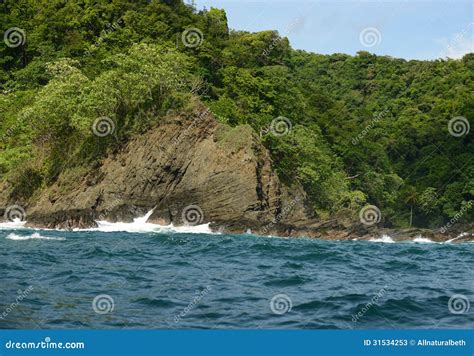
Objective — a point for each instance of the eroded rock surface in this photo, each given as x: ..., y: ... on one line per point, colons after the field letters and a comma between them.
x: 223, y: 173
x: 193, y: 170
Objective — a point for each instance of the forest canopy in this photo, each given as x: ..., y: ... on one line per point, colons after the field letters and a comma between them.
x: 353, y: 130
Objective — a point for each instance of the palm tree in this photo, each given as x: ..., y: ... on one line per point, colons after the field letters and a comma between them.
x: 411, y: 197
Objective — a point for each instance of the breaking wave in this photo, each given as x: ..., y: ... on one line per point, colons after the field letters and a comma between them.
x: 457, y: 238
x: 385, y: 239
x: 12, y: 225
x: 423, y: 240
x: 34, y: 236
x: 153, y: 277
x: 141, y: 225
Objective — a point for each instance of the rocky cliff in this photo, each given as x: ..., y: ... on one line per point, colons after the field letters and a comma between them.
x: 191, y: 170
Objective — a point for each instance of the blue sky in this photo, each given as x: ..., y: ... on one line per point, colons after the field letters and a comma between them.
x: 411, y: 29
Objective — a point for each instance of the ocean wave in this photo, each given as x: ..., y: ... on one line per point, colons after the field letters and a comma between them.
x: 457, y: 237
x: 35, y: 236
x: 418, y: 239
x: 423, y: 240
x: 12, y: 225
x: 105, y: 226
x: 385, y: 239
x: 163, y: 275
x: 141, y: 225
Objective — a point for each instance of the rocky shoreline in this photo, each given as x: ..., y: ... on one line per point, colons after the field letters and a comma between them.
x: 321, y: 230
x: 192, y: 170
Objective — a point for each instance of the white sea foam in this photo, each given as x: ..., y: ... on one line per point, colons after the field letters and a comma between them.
x: 34, y: 236
x: 423, y: 240
x: 457, y: 237
x: 12, y: 225
x: 141, y: 225
x: 385, y: 239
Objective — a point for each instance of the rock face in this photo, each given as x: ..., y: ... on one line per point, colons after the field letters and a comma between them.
x: 190, y: 170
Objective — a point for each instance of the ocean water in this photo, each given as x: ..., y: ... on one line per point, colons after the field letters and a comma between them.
x: 140, y: 276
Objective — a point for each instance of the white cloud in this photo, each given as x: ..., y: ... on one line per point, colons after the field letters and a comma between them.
x: 459, y: 44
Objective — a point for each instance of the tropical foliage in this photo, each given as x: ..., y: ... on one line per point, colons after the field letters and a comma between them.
x: 359, y: 129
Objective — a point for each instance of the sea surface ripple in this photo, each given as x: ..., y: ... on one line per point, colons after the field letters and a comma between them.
x: 186, y: 280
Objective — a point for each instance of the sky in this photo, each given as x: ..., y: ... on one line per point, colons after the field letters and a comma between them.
x: 410, y: 29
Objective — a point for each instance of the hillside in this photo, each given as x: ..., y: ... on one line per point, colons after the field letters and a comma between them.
x: 83, y: 83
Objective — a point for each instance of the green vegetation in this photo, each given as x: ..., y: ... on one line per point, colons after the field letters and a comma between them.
x: 364, y: 129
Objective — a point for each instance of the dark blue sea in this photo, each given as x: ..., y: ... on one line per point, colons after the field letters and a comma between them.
x: 107, y: 280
